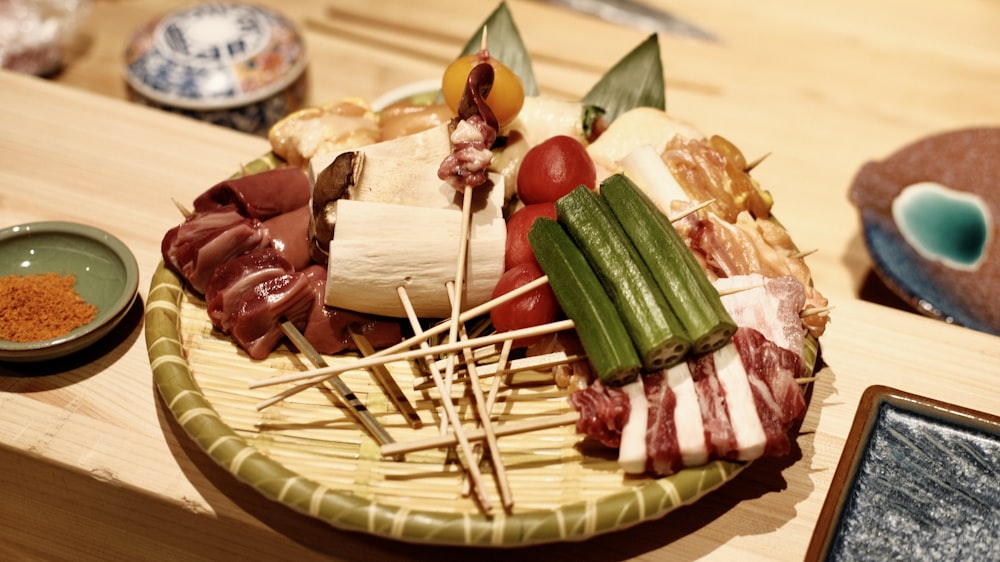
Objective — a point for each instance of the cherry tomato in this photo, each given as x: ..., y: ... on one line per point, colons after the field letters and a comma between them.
x: 534, y: 308
x: 553, y: 168
x: 518, y: 248
x: 505, y: 98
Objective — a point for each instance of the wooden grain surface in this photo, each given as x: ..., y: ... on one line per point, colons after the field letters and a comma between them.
x: 91, y: 465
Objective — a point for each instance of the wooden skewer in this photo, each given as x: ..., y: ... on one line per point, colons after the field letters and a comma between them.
x: 458, y: 432
x: 480, y: 354
x: 459, y: 284
x: 385, y: 380
x: 814, y: 311
x: 501, y: 430
x: 319, y: 375
x: 338, y: 386
x: 800, y: 255
x: 479, y: 401
x: 500, y: 370
x: 534, y: 363
x: 416, y: 339
x: 734, y: 290
x: 690, y: 210
x: 490, y: 401
x: 755, y: 163
x: 180, y: 207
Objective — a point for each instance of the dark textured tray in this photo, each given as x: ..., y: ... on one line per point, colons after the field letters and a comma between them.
x: 919, y: 479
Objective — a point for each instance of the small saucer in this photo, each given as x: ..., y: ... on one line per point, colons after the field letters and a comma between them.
x: 107, y: 276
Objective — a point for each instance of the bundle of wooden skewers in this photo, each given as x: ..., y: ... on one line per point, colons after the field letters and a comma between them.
x: 459, y: 357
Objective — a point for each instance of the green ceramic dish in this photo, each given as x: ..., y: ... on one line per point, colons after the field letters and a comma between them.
x: 107, y: 276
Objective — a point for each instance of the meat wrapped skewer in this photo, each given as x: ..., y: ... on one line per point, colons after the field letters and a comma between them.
x: 737, y: 403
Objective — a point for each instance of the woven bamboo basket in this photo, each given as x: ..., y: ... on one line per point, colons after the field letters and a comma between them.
x: 308, y: 452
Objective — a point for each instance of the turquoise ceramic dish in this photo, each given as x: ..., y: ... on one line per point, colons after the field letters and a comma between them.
x: 930, y: 214
x: 107, y: 276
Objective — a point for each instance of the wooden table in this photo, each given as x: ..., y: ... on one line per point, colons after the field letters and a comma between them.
x: 91, y: 465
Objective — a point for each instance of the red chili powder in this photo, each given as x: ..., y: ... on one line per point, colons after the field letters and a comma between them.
x: 41, y: 307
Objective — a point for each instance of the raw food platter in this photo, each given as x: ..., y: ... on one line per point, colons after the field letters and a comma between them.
x: 308, y: 453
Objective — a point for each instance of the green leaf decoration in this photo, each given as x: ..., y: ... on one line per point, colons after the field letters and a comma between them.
x: 503, y: 40
x: 635, y: 81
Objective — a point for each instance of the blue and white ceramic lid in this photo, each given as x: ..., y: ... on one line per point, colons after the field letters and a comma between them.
x: 214, y: 56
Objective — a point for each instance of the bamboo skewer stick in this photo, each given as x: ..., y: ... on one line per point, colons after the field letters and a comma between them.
x: 690, y: 210
x: 734, y: 290
x: 385, y: 380
x: 534, y: 363
x: 459, y: 284
x: 490, y: 401
x: 416, y: 339
x: 458, y: 433
x: 751, y: 165
x: 480, y: 354
x: 803, y: 254
x: 814, y: 311
x: 501, y: 370
x: 501, y: 430
x: 424, y: 335
x: 319, y: 375
x: 339, y: 387
x: 479, y: 401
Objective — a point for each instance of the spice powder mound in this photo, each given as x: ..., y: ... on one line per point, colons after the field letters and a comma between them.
x: 41, y: 307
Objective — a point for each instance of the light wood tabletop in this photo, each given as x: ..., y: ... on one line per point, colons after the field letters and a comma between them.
x: 92, y: 464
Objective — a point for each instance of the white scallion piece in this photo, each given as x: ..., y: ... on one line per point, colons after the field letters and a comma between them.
x: 632, y: 451
x: 645, y: 167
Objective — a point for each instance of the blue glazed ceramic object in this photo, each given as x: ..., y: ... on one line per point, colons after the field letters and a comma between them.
x: 929, y: 219
x: 235, y: 65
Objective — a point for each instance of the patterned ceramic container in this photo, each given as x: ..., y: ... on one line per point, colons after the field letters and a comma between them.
x: 235, y: 65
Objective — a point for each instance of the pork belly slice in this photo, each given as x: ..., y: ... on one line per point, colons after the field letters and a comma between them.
x: 737, y: 403
x: 259, y: 313
x: 259, y: 196
x: 770, y: 305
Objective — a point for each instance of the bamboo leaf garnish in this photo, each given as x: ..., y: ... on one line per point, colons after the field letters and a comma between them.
x: 503, y: 40
x: 635, y: 81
